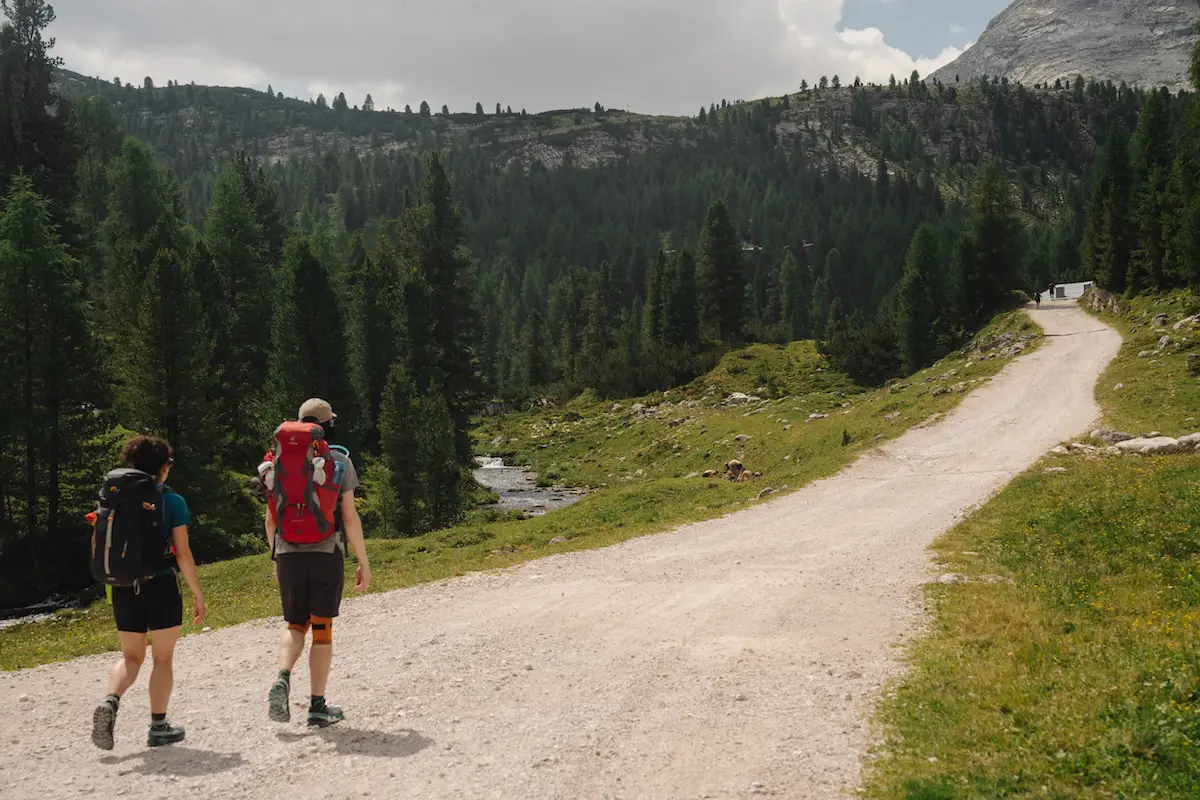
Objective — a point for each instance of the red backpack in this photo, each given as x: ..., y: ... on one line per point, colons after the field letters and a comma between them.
x: 300, y: 476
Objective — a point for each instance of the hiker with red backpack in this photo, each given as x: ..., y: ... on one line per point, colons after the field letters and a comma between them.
x: 310, y: 507
x: 139, y: 549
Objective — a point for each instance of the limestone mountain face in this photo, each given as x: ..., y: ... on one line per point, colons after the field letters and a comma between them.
x: 1141, y: 42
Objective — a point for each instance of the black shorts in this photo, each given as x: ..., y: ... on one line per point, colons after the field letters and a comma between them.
x: 155, y: 605
x: 310, y: 585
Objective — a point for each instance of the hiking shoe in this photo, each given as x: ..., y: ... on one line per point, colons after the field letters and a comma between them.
x: 164, y: 733
x: 104, y: 719
x: 325, y: 716
x: 277, y: 702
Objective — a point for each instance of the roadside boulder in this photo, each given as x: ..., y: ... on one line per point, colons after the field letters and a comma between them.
x: 738, y: 399
x: 1160, y: 320
x: 1191, y: 441
x: 765, y: 493
x: 1111, y: 436
x: 1164, y: 343
x: 1158, y: 446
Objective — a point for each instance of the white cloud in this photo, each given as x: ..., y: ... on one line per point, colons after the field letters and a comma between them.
x: 649, y: 55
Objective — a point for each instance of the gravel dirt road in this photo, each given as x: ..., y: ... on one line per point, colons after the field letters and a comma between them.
x: 738, y: 657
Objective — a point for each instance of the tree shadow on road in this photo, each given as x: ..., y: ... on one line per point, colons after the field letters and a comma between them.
x: 180, y: 761
x: 373, y: 744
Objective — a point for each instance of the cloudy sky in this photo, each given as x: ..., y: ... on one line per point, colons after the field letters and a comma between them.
x: 664, y: 56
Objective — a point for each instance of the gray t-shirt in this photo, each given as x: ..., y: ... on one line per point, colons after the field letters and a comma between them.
x: 331, y: 544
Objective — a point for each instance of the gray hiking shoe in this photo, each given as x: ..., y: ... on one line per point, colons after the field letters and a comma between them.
x: 162, y: 733
x: 324, y: 716
x: 104, y: 719
x: 277, y: 701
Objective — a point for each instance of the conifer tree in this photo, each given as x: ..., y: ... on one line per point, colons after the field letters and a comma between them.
x: 399, y: 427
x: 268, y: 211
x: 47, y: 360
x: 373, y: 327
x: 443, y: 479
x: 680, y: 327
x: 35, y: 137
x: 1152, y: 159
x: 599, y: 335
x: 720, y: 278
x: 797, y: 297
x: 433, y: 248
x: 242, y: 280
x: 914, y: 301
x: 308, y: 346
x: 654, y: 312
x: 989, y: 249
x: 1107, y: 239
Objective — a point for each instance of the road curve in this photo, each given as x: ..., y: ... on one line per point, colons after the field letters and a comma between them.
x: 736, y: 657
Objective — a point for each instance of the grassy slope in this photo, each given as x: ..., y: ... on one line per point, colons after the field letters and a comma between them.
x: 1081, y: 679
x: 638, y: 461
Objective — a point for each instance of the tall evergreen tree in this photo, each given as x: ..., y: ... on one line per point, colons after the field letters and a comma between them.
x: 142, y: 223
x: 433, y: 247
x: 720, y: 277
x: 373, y: 321
x: 1107, y: 240
x: 797, y: 297
x: 49, y: 368
x: 399, y: 427
x: 989, y: 249
x: 243, y: 282
x: 263, y: 196
x: 654, y: 322
x: 681, y: 327
x: 308, y: 345
x: 915, y: 312
x: 35, y: 137
x: 1152, y: 157
x: 598, y: 337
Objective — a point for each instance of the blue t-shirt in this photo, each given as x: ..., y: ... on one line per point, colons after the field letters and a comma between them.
x: 175, y: 513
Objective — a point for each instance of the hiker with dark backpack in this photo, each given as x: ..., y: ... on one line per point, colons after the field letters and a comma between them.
x: 139, y: 548
x: 310, y: 507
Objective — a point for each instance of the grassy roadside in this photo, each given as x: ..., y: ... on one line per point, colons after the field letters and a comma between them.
x: 638, y: 460
x: 1081, y: 677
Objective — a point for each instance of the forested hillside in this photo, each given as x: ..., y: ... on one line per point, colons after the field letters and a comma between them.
x: 192, y: 261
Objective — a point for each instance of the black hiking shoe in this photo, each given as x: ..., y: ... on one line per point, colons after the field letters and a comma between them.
x: 104, y: 719
x: 324, y: 716
x: 162, y: 733
x: 277, y: 701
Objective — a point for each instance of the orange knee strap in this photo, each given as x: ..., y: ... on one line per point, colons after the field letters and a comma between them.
x: 322, y: 629
x: 292, y: 626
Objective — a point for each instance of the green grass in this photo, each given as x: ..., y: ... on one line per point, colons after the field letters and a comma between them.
x: 1081, y: 677
x: 637, y: 463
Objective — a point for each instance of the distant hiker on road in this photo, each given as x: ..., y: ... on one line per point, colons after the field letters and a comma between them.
x: 1037, y: 298
x: 310, y: 500
x: 1051, y: 291
x: 139, y: 548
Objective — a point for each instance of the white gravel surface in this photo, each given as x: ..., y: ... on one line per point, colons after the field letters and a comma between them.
x: 732, y: 658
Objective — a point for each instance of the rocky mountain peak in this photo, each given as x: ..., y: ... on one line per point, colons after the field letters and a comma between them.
x: 1141, y: 42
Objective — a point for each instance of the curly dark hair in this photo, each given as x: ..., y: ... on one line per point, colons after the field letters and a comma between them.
x: 147, y: 453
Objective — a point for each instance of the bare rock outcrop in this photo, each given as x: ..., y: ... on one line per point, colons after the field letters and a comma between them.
x: 1147, y: 43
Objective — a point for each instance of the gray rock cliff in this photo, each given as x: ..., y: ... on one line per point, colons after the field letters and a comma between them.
x: 1141, y: 42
